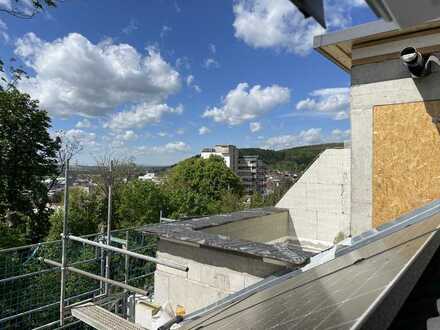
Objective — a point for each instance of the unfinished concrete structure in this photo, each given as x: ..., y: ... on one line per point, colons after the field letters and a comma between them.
x: 395, y: 134
x: 319, y: 202
x: 224, y: 254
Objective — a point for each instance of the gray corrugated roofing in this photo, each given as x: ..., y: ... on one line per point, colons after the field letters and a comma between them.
x: 363, y: 287
x: 191, y: 231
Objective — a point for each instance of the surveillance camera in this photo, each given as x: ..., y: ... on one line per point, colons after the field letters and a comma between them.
x: 414, y: 61
x: 417, y: 64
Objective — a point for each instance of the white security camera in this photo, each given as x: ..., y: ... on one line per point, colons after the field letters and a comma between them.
x: 417, y: 64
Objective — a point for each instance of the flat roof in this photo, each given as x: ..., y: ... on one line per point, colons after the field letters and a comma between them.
x: 337, y: 46
x: 191, y: 232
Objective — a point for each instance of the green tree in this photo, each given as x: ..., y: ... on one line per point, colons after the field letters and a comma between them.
x: 86, y: 211
x: 257, y: 200
x: 27, y: 157
x: 140, y: 203
x: 196, y: 186
x: 231, y: 202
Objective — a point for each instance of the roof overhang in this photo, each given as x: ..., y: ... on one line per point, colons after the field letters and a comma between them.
x: 406, y: 13
x: 339, y: 46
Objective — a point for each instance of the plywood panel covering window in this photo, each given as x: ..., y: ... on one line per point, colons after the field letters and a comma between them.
x: 406, y: 158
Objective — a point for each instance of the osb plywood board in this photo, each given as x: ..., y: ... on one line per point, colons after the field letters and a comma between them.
x: 406, y: 158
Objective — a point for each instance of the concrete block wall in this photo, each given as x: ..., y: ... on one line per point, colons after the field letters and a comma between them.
x: 212, y: 275
x: 386, y: 82
x: 319, y: 202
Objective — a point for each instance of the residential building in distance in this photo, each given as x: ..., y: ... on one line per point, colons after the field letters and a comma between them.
x: 150, y: 176
x: 250, y: 169
x: 252, y: 172
x: 228, y: 152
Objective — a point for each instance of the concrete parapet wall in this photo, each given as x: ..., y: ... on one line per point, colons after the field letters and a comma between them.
x: 260, y: 229
x: 319, y: 203
x: 212, y: 275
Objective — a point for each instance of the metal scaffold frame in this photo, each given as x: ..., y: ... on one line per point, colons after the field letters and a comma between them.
x: 107, y: 248
x: 86, y: 257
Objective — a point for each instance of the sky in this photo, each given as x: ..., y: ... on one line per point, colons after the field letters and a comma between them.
x: 158, y: 80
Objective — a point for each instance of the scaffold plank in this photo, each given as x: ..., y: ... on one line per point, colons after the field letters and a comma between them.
x: 102, y: 319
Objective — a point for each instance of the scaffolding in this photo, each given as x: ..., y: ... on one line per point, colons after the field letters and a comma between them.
x: 40, y: 284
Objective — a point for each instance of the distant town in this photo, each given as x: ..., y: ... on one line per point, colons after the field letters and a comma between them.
x: 256, y: 176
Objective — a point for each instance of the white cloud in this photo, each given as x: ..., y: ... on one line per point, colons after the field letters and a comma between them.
x: 84, y: 123
x: 338, y: 135
x: 255, y: 126
x: 204, y: 130
x: 99, y: 78
x: 172, y: 147
x: 279, y: 24
x: 211, y: 63
x: 176, y: 7
x: 84, y: 138
x: 341, y: 115
x: 165, y: 30
x: 190, y: 83
x: 305, y: 137
x: 180, y: 131
x: 131, y: 26
x: 189, y: 80
x: 330, y: 101
x: 3, y: 28
x: 140, y: 115
x: 128, y: 136
x: 243, y: 103
x: 183, y: 63
x: 6, y: 4
x: 164, y: 134
x: 212, y: 48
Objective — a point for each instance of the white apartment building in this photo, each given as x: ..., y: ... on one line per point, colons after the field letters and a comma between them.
x: 228, y: 152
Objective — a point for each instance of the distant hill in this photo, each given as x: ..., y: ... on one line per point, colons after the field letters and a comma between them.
x: 293, y: 159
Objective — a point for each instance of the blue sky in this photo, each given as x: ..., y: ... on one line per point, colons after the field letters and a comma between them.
x: 159, y: 80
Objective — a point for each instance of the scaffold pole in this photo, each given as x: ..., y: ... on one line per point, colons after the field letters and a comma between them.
x: 64, y: 243
x: 109, y: 224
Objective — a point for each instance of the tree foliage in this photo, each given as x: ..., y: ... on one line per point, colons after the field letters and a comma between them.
x: 86, y: 211
x: 197, y: 186
x: 27, y: 157
x: 140, y: 204
x: 293, y: 159
x: 27, y: 9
